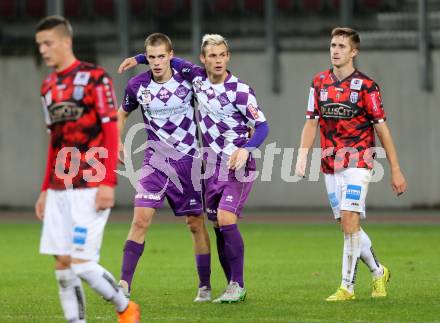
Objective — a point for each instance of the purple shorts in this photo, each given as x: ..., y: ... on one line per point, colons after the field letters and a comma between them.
x: 226, y: 189
x: 178, y: 181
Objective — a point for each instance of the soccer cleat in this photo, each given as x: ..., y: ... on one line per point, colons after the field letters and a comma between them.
x: 379, y: 284
x: 233, y: 294
x: 124, y: 287
x: 132, y: 314
x: 203, y: 295
x: 341, y: 294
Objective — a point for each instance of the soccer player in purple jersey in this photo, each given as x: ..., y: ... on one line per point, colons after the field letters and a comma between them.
x: 227, y: 107
x: 166, y: 99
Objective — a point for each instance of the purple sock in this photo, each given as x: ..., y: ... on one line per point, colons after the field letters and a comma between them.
x: 203, y: 263
x: 234, y: 251
x: 221, y: 254
x: 132, y: 252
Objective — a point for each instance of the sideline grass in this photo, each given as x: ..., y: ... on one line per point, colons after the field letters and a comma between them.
x: 289, y: 270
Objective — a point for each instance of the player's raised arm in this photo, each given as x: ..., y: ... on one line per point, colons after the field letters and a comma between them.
x: 398, y: 181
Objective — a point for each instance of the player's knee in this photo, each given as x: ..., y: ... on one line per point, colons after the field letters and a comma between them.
x: 350, y: 221
x: 62, y: 262
x: 194, y: 223
x: 141, y: 223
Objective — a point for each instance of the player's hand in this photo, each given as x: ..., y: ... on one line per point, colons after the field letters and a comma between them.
x: 251, y: 132
x: 105, y: 197
x: 398, y: 182
x: 238, y: 159
x: 127, y: 64
x: 121, y: 153
x: 40, y: 205
x: 300, y: 167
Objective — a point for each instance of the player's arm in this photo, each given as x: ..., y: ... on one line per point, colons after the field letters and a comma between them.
x: 308, y: 133
x: 105, y: 105
x: 398, y: 181
x: 308, y: 136
x: 41, y: 202
x: 122, y: 119
x: 248, y: 106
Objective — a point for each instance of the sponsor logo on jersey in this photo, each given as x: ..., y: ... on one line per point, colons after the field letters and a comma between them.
x: 323, y: 95
x: 79, y: 235
x: 229, y: 198
x: 78, y: 92
x: 164, y: 94
x: 353, y: 192
x: 354, y: 97
x: 334, y: 202
x: 151, y: 196
x: 337, y: 110
x: 192, y: 202
x: 145, y: 97
x: 253, y: 110
x: 356, y: 84
x: 65, y: 111
x: 81, y: 78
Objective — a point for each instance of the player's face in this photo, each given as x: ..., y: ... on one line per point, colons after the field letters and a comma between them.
x: 341, y: 51
x: 53, y: 46
x: 215, y: 58
x: 159, y: 58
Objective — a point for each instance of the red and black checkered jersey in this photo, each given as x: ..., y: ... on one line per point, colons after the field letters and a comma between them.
x: 347, y: 110
x: 77, y: 102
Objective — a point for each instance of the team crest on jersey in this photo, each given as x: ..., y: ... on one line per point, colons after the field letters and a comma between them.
x: 354, y: 97
x: 323, y: 95
x: 356, y: 84
x: 78, y: 92
x: 81, y: 78
x: 253, y: 110
x: 210, y: 93
x: 164, y: 94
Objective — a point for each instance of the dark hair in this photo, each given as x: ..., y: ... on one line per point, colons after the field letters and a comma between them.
x: 352, y: 35
x: 157, y: 39
x: 51, y: 22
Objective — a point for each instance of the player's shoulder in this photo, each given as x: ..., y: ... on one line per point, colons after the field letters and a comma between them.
x: 241, y: 86
x: 367, y: 82
x: 48, y: 81
x: 143, y: 78
x: 90, y: 71
x: 319, y: 77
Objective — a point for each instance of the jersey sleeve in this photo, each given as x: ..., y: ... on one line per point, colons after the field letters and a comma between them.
x: 130, y: 101
x: 187, y: 69
x: 246, y: 103
x: 105, y: 99
x: 312, y: 103
x: 373, y: 104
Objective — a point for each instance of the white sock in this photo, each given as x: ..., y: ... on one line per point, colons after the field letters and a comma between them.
x: 368, y: 256
x: 350, y: 260
x: 71, y: 295
x: 101, y: 281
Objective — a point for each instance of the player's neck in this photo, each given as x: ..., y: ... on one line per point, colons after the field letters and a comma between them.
x: 163, y: 78
x: 343, y: 72
x: 217, y: 79
x: 67, y: 61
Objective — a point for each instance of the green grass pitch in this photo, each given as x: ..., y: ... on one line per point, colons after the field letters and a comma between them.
x: 289, y: 270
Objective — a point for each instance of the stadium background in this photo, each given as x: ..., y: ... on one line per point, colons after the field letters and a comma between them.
x: 390, y: 53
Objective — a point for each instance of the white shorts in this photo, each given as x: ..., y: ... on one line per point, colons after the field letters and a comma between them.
x: 71, y: 225
x: 347, y: 190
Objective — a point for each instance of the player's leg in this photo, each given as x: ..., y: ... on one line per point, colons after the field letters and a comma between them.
x: 134, y: 245
x: 202, y: 252
x: 56, y: 239
x: 88, y: 231
x: 184, y: 194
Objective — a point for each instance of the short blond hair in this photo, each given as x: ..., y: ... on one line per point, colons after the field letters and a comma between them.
x: 213, y: 39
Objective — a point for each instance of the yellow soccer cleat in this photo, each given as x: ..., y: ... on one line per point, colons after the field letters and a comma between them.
x: 341, y: 295
x: 379, y: 284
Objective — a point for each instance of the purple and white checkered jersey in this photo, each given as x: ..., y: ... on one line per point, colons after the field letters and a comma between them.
x: 226, y: 109
x: 167, y: 111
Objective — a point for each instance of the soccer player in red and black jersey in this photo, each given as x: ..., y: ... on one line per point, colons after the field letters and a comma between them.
x: 78, y: 188
x: 347, y: 106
